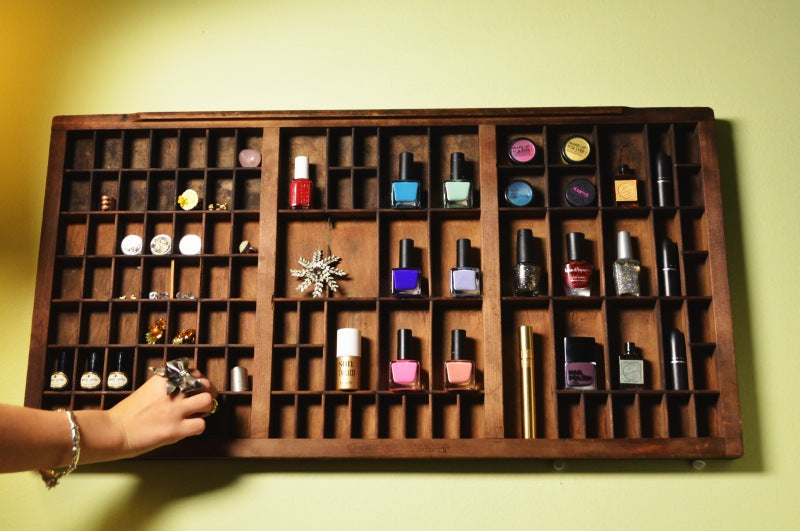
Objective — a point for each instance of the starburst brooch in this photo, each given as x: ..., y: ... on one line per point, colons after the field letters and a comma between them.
x: 321, y: 272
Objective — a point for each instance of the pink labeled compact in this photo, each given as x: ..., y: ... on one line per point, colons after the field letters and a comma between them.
x: 521, y: 151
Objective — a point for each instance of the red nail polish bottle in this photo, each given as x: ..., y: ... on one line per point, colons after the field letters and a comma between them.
x: 577, y: 271
x: 301, y: 189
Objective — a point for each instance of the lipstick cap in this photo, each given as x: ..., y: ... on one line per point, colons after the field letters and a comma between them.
x: 677, y: 345
x: 406, y: 162
x: 406, y: 253
x: 663, y: 167
x: 575, y: 246
x: 457, y: 164
x: 525, y: 342
x: 462, y: 258
x: 458, y: 344
x: 669, y: 253
x: 624, y: 245
x: 301, y: 167
x: 405, y: 346
x: 524, y: 246
x: 348, y: 342
x: 579, y: 350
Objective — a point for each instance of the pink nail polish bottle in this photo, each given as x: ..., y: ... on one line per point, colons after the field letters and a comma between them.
x: 459, y: 372
x: 404, y: 372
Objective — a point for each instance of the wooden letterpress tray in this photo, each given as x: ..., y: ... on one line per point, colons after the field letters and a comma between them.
x: 248, y: 313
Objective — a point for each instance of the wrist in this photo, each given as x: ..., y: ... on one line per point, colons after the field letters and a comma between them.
x: 102, y: 438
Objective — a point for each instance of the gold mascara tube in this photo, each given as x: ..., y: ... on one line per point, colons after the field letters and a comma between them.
x: 527, y: 382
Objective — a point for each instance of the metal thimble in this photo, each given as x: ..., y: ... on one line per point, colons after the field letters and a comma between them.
x: 239, y: 379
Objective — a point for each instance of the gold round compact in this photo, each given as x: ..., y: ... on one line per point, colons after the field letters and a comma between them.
x: 576, y: 150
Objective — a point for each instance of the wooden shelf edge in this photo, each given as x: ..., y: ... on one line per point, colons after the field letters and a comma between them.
x: 683, y: 448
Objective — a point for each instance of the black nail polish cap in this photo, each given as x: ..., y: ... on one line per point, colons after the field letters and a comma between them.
x: 457, y: 163
x: 575, y: 246
x: 93, y: 363
x: 458, y: 344
x: 578, y: 349
x: 404, y: 344
x: 524, y: 246
x: 119, y: 363
x: 62, y: 363
x: 669, y: 253
x: 406, y: 253
x: 462, y: 258
x: 406, y: 162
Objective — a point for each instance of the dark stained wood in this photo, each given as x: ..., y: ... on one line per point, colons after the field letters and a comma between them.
x: 248, y: 311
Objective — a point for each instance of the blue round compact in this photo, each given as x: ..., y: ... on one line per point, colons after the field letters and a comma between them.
x: 519, y: 193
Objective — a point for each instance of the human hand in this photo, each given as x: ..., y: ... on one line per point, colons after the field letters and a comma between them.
x: 145, y: 420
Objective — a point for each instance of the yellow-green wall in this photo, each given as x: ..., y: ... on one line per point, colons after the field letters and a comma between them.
x: 739, y: 57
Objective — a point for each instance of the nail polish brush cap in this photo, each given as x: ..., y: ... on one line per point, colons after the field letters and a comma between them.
x: 93, y: 363
x: 301, y: 167
x: 406, y: 253
x: 458, y: 344
x: 406, y: 162
x: 405, y: 344
x: 575, y: 246
x: 624, y: 245
x: 462, y: 258
x: 669, y: 253
x: 119, y: 363
x: 663, y: 167
x: 630, y: 348
x: 348, y: 342
x: 524, y: 246
x: 578, y: 349
x: 457, y: 164
x: 61, y: 362
x: 677, y: 345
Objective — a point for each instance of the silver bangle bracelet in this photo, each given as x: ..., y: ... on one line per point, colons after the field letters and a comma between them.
x: 52, y: 475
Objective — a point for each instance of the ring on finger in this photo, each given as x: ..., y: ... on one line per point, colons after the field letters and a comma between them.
x: 214, y: 406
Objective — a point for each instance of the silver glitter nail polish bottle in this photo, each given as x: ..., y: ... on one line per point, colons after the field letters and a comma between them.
x: 626, y: 268
x: 527, y: 275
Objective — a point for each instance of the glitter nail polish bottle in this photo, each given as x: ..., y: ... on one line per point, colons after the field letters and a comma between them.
x: 626, y: 268
x: 527, y: 276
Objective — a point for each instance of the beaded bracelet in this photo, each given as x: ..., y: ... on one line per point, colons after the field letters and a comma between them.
x: 51, y: 476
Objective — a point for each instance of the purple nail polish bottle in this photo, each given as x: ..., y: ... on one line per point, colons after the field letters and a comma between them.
x: 406, y: 279
x: 580, y: 368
